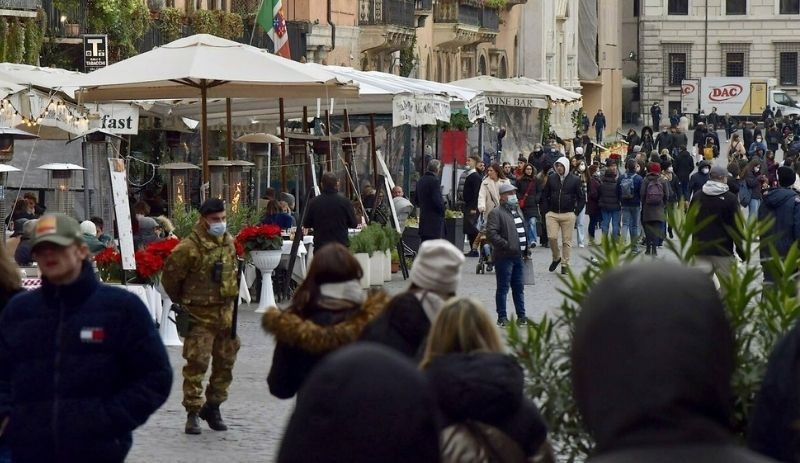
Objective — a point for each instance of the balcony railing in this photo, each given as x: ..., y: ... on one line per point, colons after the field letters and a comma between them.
x: 20, y: 4
x: 423, y: 5
x: 490, y: 19
x: 386, y: 12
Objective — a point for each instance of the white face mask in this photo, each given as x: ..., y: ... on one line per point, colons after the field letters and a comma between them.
x: 704, y: 170
x: 758, y: 140
x: 669, y: 169
x: 582, y: 167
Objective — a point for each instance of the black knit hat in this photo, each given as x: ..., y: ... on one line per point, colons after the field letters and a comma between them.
x: 212, y: 206
x: 786, y: 176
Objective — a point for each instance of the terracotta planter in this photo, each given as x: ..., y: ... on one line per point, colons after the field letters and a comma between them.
x: 395, y: 267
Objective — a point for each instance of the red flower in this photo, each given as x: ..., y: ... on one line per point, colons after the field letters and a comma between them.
x: 148, y: 264
x: 259, y: 238
x: 162, y: 248
x: 239, y: 248
x: 107, y: 256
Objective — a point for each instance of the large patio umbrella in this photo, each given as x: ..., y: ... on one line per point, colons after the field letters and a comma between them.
x: 206, y: 66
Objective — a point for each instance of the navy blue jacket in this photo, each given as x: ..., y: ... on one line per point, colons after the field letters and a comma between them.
x: 431, y: 206
x: 635, y: 201
x: 81, y: 367
x: 783, y: 205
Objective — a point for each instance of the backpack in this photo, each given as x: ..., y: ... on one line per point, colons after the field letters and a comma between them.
x: 744, y: 194
x: 626, y: 185
x: 654, y: 195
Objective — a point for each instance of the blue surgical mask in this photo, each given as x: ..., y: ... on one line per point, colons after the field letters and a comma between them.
x: 217, y: 229
x: 512, y: 200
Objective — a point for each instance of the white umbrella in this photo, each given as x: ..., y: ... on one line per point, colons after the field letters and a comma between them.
x: 259, y: 138
x: 206, y: 66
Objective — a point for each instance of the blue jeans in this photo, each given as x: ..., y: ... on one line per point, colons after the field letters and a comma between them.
x: 579, y: 227
x: 610, y: 216
x: 599, y: 135
x: 533, y: 237
x: 508, y: 272
x: 752, y: 211
x: 630, y: 223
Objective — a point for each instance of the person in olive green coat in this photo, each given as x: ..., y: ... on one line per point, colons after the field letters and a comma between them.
x: 200, y: 274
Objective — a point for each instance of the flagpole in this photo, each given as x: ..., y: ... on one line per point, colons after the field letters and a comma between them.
x: 255, y: 21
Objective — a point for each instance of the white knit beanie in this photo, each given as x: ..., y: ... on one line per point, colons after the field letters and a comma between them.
x: 437, y: 267
x: 88, y: 228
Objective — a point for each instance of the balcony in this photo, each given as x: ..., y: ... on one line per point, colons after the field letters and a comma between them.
x: 422, y: 9
x: 386, y: 25
x: 24, y: 5
x: 460, y: 23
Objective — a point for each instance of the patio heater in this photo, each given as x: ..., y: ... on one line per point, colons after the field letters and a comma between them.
x: 97, y: 146
x: 260, y: 146
x: 61, y: 181
x: 178, y: 194
x: 218, y: 178
x: 239, y: 173
x: 7, y: 138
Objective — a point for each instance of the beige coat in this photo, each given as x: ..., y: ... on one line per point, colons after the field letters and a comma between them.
x: 489, y: 195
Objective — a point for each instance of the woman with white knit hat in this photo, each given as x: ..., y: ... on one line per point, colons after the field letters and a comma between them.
x: 405, y: 322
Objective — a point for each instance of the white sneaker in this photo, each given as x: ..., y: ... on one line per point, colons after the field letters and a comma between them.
x: 581, y: 245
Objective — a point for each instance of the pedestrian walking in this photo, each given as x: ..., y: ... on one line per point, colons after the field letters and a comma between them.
x: 625, y: 393
x: 431, y: 203
x: 781, y: 205
x: 363, y: 404
x: 654, y: 194
x: 655, y: 114
x: 489, y: 194
x: 505, y: 229
x: 328, y: 310
x: 82, y: 363
x: 756, y: 182
x: 330, y: 214
x: 599, y: 124
x: 562, y: 197
x: 529, y: 191
x: 464, y: 353
x: 10, y: 285
x: 472, y: 187
x: 630, y: 186
x: 609, y: 200
x: 698, y: 179
x: 580, y: 218
x: 404, y: 323
x: 201, y: 276
x: 592, y: 202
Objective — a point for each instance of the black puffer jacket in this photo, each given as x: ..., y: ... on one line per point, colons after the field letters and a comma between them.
x: 402, y: 326
x: 86, y: 367
x: 487, y: 388
x: 562, y: 195
x: 609, y: 192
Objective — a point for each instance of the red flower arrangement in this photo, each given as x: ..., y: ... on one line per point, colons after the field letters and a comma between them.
x: 149, y: 261
x: 162, y: 248
x: 148, y: 265
x: 109, y: 264
x: 259, y: 238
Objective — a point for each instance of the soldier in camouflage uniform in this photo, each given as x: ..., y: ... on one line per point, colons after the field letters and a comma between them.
x: 200, y: 274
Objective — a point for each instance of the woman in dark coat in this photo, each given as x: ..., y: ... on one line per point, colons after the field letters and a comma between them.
x: 328, y: 310
x: 479, y: 389
x: 431, y: 203
x: 273, y: 215
x: 648, y: 142
x: 633, y: 140
x: 593, y: 202
x: 653, y: 214
x: 529, y: 191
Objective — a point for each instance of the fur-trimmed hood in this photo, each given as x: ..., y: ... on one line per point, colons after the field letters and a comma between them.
x: 291, y: 329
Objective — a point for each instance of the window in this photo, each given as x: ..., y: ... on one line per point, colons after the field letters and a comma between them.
x: 790, y: 6
x: 735, y: 6
x: 635, y: 10
x: 680, y: 6
x: 788, y: 68
x: 734, y: 64
x: 677, y: 69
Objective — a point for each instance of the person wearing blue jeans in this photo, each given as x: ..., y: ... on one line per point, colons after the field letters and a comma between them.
x: 609, y: 199
x: 630, y: 185
x: 599, y: 124
x: 505, y: 229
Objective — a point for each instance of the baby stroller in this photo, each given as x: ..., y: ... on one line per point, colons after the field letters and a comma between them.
x: 485, y: 262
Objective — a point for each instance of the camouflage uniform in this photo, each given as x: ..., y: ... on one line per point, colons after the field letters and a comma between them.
x: 188, y: 280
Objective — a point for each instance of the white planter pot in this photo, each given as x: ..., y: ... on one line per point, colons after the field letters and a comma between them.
x: 387, y: 265
x: 266, y: 262
x: 376, y: 269
x: 363, y: 261
x: 167, y: 329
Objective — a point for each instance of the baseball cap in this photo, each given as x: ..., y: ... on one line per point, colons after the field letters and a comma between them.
x: 58, y: 229
x: 718, y: 171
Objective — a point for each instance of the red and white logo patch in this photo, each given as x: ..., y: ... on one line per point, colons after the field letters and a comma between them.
x: 93, y: 335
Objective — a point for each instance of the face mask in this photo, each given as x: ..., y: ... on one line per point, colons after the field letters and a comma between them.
x: 217, y: 229
x: 512, y: 200
x: 704, y: 170
x: 582, y: 167
x: 758, y: 140
x: 757, y: 170
x: 669, y: 169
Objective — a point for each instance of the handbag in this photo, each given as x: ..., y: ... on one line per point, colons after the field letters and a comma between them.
x: 527, y: 272
x: 525, y: 196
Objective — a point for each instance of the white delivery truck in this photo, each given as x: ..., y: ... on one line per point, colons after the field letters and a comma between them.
x: 738, y: 96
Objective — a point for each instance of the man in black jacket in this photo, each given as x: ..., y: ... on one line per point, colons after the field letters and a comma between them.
x: 330, y: 214
x: 431, y: 203
x: 505, y: 228
x: 717, y: 240
x: 782, y: 205
x: 81, y: 363
x: 562, y: 198
x: 472, y: 186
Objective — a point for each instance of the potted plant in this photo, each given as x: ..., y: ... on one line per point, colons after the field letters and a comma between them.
x: 454, y: 227
x: 109, y: 265
x: 361, y: 249
x: 263, y: 245
x: 395, y: 260
x: 373, y: 234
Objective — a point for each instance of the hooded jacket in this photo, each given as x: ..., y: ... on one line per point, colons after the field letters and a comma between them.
x: 782, y: 205
x: 657, y: 391
x: 563, y: 194
x: 486, y: 388
x: 698, y: 179
x: 684, y: 165
x: 716, y: 239
x: 363, y: 404
x: 302, y: 342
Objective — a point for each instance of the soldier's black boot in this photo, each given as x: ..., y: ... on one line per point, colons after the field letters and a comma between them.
x: 192, y: 423
x: 210, y: 413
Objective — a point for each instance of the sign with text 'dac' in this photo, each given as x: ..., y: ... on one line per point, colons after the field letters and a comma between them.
x: 95, y: 52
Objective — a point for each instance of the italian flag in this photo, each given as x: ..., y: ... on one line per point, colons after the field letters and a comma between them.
x: 272, y: 18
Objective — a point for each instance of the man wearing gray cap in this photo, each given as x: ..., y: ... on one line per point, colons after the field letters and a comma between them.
x: 81, y: 362
x: 717, y: 240
x: 505, y: 228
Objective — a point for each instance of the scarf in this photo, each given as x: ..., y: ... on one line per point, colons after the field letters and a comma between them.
x: 715, y: 188
x: 431, y: 303
x: 346, y: 290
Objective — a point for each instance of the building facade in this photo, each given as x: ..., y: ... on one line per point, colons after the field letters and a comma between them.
x: 679, y: 39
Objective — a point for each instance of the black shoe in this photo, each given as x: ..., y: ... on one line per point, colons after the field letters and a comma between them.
x: 669, y: 232
x: 545, y: 244
x: 554, y: 265
x: 472, y: 253
x: 647, y: 251
x: 564, y: 270
x: 522, y: 321
x: 502, y: 322
x: 533, y: 245
x: 192, y: 424
x: 211, y: 414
